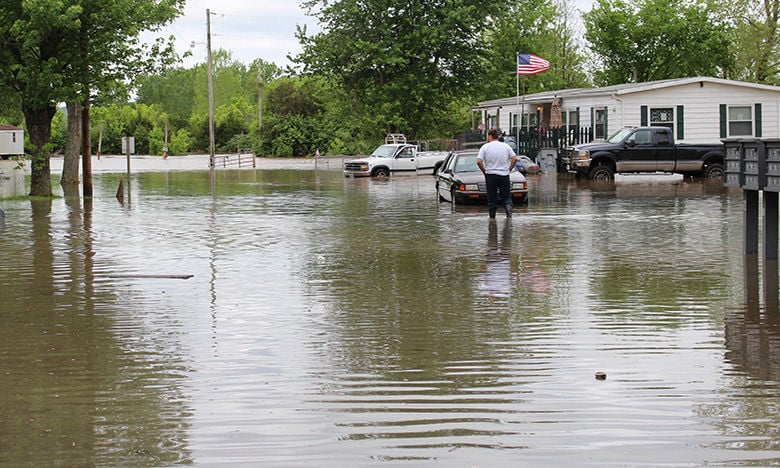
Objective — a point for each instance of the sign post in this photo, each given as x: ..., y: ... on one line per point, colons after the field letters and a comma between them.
x: 128, y: 147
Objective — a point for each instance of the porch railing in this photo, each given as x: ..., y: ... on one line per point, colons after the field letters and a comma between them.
x: 533, y: 139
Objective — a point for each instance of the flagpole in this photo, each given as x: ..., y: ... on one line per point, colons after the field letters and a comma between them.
x: 517, y: 106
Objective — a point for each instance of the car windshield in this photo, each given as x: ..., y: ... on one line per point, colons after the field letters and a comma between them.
x: 620, y: 135
x: 466, y: 163
x: 384, y: 151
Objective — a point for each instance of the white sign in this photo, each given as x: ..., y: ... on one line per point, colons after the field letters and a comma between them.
x: 128, y: 145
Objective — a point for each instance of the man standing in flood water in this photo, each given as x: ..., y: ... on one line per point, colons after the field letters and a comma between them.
x: 496, y: 159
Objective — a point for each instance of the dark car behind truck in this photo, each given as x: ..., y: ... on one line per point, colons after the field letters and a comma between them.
x: 645, y: 149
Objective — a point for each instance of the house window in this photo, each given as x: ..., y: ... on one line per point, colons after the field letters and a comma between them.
x: 600, y: 123
x: 570, y: 118
x: 571, y: 122
x: 740, y: 121
x: 662, y: 117
x: 529, y: 120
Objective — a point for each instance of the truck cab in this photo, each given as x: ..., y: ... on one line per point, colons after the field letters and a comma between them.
x: 645, y: 149
x: 395, y: 156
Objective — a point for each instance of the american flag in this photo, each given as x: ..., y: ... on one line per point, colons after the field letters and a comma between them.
x: 530, y: 64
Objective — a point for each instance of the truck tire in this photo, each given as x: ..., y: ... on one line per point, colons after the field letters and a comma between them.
x: 602, y: 173
x: 714, y: 171
x: 381, y: 172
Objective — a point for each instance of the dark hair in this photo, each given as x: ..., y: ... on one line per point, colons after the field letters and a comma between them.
x: 493, y: 133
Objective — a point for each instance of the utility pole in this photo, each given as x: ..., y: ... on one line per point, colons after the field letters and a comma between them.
x: 211, y: 99
x: 260, y: 107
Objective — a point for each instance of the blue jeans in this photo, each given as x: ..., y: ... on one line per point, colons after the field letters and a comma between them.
x: 499, y: 188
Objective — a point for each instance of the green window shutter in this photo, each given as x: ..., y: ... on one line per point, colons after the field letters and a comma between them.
x: 592, y: 123
x: 643, y: 116
x: 606, y: 122
x: 723, y: 132
x: 680, y: 123
x: 758, y: 120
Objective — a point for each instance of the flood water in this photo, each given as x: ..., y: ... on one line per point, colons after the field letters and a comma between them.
x: 295, y: 317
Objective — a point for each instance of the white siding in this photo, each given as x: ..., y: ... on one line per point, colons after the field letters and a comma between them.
x: 701, y: 102
x: 702, y: 107
x: 11, y: 142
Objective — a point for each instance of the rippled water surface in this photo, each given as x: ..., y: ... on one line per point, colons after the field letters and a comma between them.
x: 299, y: 318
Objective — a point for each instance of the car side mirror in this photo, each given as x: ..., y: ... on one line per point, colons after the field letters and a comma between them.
x: 631, y: 143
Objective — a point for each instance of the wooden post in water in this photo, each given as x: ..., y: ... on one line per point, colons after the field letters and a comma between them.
x: 750, y: 221
x: 86, y: 150
x: 770, y: 225
x: 120, y: 192
x: 128, y: 173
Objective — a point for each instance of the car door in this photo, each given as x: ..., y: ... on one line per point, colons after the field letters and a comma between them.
x: 665, y: 154
x: 444, y: 178
x: 405, y: 160
x: 638, y: 152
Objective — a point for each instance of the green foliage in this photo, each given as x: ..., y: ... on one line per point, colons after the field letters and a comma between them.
x: 522, y: 28
x: 173, y: 90
x: 656, y: 39
x: 755, y: 33
x: 230, y: 120
x: 146, y: 123
x: 63, y: 51
x: 179, y: 142
x: 296, y: 125
x: 59, y: 133
x: 231, y: 80
x: 403, y: 62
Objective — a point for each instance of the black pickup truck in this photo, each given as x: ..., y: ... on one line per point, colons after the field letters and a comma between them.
x: 645, y: 149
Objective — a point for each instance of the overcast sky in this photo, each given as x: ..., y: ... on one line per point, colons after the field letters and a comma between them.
x: 248, y: 29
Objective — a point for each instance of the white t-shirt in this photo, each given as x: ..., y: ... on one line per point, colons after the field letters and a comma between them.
x: 496, y: 156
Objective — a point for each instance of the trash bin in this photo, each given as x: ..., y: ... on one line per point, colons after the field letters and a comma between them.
x: 547, y: 160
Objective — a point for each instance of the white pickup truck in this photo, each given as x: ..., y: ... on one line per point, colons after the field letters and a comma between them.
x: 395, y: 158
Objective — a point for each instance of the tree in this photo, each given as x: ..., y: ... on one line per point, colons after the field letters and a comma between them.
x: 655, y: 40
x: 566, y: 54
x: 402, y: 62
x: 756, y: 35
x: 297, y: 125
x: 63, y: 51
x: 522, y: 28
x: 265, y: 72
x: 173, y: 89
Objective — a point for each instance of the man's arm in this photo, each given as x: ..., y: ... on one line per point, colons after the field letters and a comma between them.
x: 481, y: 165
x: 512, y: 157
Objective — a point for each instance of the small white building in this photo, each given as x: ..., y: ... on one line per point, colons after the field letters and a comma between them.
x: 11, y: 140
x: 698, y: 110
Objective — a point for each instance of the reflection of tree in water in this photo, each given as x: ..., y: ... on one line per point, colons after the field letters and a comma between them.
x: 82, y: 384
